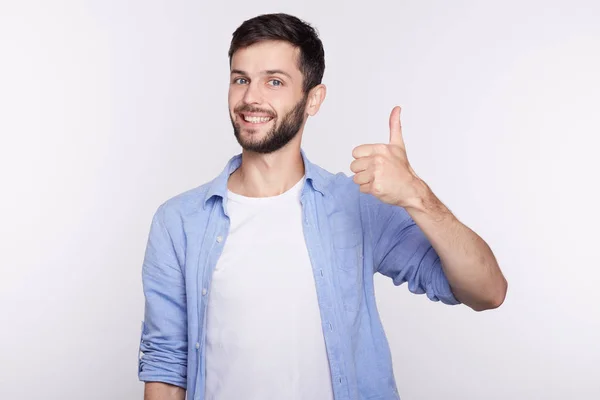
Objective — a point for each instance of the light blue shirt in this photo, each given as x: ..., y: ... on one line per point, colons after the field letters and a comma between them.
x: 349, y: 236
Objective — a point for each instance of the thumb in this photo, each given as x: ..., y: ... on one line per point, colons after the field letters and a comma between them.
x: 396, y: 127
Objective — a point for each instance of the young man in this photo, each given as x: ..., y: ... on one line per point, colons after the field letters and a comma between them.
x: 259, y: 284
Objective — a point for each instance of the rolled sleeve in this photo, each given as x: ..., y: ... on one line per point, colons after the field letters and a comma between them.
x: 402, y: 252
x: 163, y: 342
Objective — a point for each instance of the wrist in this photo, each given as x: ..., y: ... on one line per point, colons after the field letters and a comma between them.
x: 424, y: 201
x: 418, y: 197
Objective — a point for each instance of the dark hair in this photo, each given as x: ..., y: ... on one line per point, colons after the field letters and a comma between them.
x: 290, y: 29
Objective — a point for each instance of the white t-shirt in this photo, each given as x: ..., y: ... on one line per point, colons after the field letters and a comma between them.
x: 264, y: 336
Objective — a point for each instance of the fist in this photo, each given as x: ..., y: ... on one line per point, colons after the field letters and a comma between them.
x: 383, y: 170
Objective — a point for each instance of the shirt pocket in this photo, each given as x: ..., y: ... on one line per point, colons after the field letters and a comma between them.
x: 346, y: 229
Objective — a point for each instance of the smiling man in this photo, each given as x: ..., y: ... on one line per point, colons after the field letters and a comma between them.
x: 259, y: 283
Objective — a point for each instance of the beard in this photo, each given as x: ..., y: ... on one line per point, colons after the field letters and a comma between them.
x: 279, y: 135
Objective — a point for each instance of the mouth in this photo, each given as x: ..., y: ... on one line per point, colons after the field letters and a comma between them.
x: 255, y: 120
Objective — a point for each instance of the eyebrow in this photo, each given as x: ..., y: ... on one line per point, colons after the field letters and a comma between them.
x: 267, y: 72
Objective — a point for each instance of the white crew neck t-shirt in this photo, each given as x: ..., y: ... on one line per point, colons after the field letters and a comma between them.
x: 264, y: 336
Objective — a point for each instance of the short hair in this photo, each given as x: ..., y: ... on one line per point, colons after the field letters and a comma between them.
x: 290, y: 29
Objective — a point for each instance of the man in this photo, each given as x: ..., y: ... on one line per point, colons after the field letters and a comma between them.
x: 259, y: 284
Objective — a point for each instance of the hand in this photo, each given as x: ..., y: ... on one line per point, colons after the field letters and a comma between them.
x: 383, y: 169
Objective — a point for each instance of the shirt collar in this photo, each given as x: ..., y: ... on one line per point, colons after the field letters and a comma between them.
x: 218, y: 186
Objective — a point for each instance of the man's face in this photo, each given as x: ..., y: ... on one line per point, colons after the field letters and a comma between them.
x: 266, y: 102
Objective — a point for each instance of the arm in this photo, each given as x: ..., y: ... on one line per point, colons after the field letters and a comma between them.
x: 163, y: 344
x: 402, y: 252
x: 467, y: 260
x: 468, y: 264
x: 163, y: 391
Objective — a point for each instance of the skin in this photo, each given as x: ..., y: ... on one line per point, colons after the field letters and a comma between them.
x: 163, y: 391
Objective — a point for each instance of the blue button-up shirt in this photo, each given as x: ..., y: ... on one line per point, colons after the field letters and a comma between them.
x: 349, y: 236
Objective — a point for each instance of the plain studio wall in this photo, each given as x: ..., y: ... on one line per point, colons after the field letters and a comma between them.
x: 109, y: 108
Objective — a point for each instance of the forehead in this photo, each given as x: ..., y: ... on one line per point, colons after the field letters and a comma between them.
x: 267, y: 55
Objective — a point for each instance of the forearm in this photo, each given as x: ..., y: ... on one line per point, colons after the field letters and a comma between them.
x: 468, y: 262
x: 163, y: 391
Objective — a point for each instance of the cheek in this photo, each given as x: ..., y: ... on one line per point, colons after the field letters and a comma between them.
x: 231, y: 101
x: 234, y: 98
x: 281, y: 106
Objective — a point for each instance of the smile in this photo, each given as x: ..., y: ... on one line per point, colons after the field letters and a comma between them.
x: 256, y: 120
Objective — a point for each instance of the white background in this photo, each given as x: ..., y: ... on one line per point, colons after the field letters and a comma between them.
x: 108, y: 108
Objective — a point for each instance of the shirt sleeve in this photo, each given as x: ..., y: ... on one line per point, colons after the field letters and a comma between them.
x: 402, y: 252
x: 163, y: 342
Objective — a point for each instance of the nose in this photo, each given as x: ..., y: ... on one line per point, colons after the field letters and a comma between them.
x: 252, y: 94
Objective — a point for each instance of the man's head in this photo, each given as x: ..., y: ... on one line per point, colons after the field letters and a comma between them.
x: 277, y: 64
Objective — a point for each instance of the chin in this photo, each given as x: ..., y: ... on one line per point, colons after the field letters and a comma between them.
x: 252, y: 134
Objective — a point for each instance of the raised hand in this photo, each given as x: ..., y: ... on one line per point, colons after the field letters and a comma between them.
x: 383, y: 169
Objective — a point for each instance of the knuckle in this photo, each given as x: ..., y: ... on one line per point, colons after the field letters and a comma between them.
x: 377, y: 189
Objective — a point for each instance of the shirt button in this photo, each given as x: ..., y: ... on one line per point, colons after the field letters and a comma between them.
x: 203, y: 291
x: 219, y: 239
x: 197, y: 345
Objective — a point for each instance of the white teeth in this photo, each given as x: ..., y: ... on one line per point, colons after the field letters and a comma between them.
x: 256, y: 120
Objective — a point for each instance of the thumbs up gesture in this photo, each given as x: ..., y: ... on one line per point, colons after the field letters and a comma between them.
x: 383, y: 169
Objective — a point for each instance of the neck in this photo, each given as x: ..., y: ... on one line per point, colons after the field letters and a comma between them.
x: 266, y: 175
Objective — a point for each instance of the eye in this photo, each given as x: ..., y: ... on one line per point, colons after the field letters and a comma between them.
x: 240, y: 81
x: 276, y: 82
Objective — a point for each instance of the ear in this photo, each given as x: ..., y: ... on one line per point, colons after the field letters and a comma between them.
x: 316, y: 96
